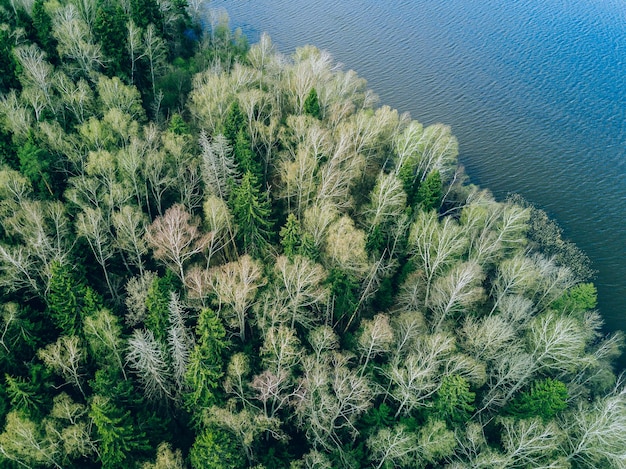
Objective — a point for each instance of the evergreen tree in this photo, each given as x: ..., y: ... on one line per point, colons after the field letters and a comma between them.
x: 544, y: 399
x: 234, y: 122
x: 205, y: 362
x: 158, y: 304
x: 35, y: 164
x: 145, y: 12
x: 312, y: 104
x: 429, y: 192
x: 8, y: 78
x: 118, y: 439
x: 251, y: 211
x: 64, y: 299
x: 245, y: 157
x: 43, y: 29
x: 216, y: 449
x: 290, y: 236
x: 453, y: 402
x: 110, y: 30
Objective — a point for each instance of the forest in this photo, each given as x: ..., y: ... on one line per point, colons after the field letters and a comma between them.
x: 215, y: 255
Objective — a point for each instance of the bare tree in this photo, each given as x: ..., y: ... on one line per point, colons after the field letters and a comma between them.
x: 92, y: 226
x: 235, y: 285
x: 145, y: 355
x: 130, y: 226
x: 459, y: 289
x: 376, y: 338
x: 65, y: 357
x: 176, y: 238
x: 435, y: 246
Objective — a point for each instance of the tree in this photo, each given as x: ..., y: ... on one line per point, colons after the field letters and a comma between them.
x: 146, y: 357
x: 66, y: 357
x: 43, y: 28
x: 64, y: 298
x: 251, y: 213
x: 375, y: 339
x: 75, y: 41
x: 166, y: 458
x: 234, y: 123
x: 430, y: 192
x: 215, y: 448
x: 205, y: 361
x: 35, y: 165
x: 24, y: 443
x: 218, y: 165
x: 244, y: 156
x: 110, y: 30
x: 544, y: 399
x: 453, y: 401
x: 157, y: 302
x: 103, y: 334
x: 392, y: 447
x: 118, y: 438
x: 130, y: 226
x: 300, y: 294
x: 235, y: 285
x: 176, y: 238
x: 434, y: 246
x: 312, y: 105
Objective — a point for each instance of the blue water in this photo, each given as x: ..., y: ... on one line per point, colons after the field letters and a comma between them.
x: 535, y: 91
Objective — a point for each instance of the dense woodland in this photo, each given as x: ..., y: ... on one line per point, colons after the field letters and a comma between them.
x: 217, y: 256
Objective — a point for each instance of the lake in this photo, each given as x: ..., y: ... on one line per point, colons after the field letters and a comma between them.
x: 534, y: 91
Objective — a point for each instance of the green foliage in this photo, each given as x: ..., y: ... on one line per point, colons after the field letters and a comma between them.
x: 344, y: 293
x: 251, y: 211
x: 178, y: 125
x: 579, y: 298
x: 244, y: 156
x: 453, y: 402
x: 376, y: 418
x: 406, y: 388
x: 35, y: 164
x: 234, y: 123
x: 429, y: 192
x: 205, y: 362
x: 110, y: 30
x: 65, y: 299
x: 312, y: 104
x: 118, y: 439
x: 42, y: 23
x: 145, y: 12
x: 8, y: 63
x: 296, y: 242
x: 216, y: 449
x: 158, y: 305
x: 544, y: 399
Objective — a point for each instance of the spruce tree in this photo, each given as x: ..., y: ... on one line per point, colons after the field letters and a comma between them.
x: 312, y: 105
x: 251, y: 211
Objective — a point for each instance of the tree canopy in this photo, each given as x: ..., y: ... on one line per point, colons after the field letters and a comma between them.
x: 216, y: 255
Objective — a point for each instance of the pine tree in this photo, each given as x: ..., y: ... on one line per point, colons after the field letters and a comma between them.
x: 117, y: 436
x: 158, y: 303
x: 43, y: 29
x: 234, y: 122
x: 245, y: 157
x: 429, y: 192
x: 251, y: 211
x: 205, y: 363
x: 64, y: 299
x: 312, y: 104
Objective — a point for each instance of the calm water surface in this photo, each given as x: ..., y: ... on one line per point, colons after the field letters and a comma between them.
x: 534, y: 91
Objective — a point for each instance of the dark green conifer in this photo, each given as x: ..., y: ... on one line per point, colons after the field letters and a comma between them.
x: 312, y: 104
x: 251, y: 212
